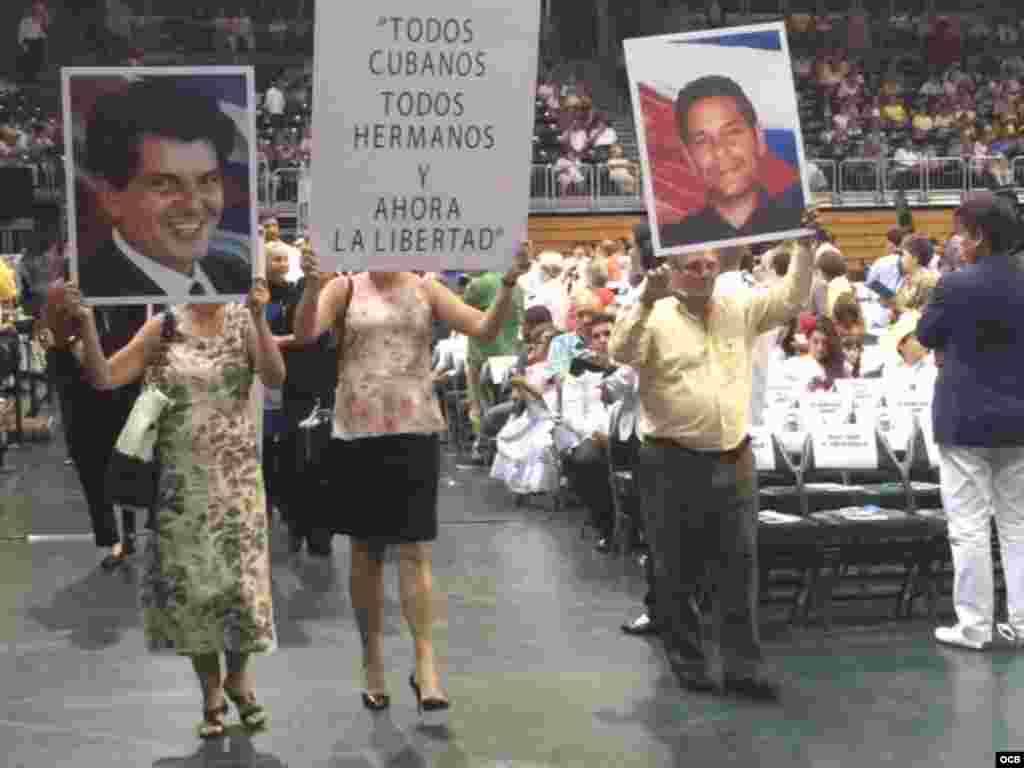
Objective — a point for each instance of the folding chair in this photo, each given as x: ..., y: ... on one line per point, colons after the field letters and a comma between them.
x: 857, y: 537
x: 623, y: 481
x: 460, y: 431
x: 789, y: 557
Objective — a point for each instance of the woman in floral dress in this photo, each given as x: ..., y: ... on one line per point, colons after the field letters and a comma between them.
x: 206, y: 590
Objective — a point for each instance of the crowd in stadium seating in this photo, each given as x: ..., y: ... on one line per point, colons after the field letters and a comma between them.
x: 27, y: 129
x: 570, y: 135
x: 915, y: 112
x: 919, y: 115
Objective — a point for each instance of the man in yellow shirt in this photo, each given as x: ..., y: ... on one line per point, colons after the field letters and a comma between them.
x: 693, y: 354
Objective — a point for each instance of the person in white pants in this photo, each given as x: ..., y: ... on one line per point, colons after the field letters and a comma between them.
x: 975, y: 321
x: 977, y: 485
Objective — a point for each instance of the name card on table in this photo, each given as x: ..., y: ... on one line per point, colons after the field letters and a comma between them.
x: 845, y: 447
x: 764, y: 453
x: 825, y: 409
x: 896, y: 425
x: 789, y: 422
x: 779, y: 393
x: 906, y: 406
x: 862, y: 394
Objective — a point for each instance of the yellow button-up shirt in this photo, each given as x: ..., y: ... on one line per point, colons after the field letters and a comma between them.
x: 696, y: 374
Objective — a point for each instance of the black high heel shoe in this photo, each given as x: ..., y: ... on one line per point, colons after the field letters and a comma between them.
x: 112, y: 561
x: 432, y: 711
x: 376, y: 702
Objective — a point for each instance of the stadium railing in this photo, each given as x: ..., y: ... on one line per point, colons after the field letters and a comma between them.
x: 853, y: 183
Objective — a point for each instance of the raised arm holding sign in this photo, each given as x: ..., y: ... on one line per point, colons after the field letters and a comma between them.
x: 386, y: 425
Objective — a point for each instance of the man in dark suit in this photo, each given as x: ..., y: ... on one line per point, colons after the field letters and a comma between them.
x: 725, y: 145
x: 975, y: 323
x: 158, y: 151
x: 92, y: 419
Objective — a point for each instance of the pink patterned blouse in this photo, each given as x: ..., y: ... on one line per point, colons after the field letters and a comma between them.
x: 384, y: 383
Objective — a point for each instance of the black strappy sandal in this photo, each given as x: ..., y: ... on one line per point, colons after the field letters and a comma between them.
x: 213, y: 726
x: 432, y: 711
x: 253, y: 715
x: 112, y: 561
x: 376, y: 702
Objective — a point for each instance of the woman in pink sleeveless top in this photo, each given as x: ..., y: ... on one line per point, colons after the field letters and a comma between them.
x: 385, y: 450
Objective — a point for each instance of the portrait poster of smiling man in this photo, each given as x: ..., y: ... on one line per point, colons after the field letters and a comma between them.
x: 161, y: 183
x: 719, y: 134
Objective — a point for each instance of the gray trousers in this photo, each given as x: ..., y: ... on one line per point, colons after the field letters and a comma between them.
x: 702, y: 517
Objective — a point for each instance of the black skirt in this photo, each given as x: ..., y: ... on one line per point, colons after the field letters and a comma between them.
x: 385, y: 488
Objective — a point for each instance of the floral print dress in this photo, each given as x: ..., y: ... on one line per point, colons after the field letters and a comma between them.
x: 206, y: 587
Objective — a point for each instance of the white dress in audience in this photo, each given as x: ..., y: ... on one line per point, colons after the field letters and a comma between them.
x: 526, y: 459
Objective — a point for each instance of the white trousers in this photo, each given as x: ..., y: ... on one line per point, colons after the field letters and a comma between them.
x: 977, y: 485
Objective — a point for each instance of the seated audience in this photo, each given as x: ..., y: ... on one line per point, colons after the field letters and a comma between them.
x: 526, y: 460
x: 621, y: 171
x: 825, y: 362
x: 569, y: 172
x: 847, y: 316
x: 918, y: 278
x: 551, y: 291
x: 916, y: 370
x: 831, y: 266
x: 495, y: 417
x: 595, y: 383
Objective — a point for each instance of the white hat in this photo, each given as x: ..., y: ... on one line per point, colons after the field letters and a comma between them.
x: 898, y: 331
x: 551, y: 259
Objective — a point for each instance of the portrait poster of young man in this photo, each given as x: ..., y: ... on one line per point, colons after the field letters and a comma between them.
x: 161, y: 183
x: 719, y: 136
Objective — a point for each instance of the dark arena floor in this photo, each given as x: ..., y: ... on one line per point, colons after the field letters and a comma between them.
x: 537, y: 667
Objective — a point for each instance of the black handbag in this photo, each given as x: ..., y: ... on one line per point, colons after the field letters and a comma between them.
x: 131, y: 481
x: 315, y: 429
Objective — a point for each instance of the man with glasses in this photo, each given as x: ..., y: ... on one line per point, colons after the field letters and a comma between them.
x: 586, y: 465
x: 693, y: 354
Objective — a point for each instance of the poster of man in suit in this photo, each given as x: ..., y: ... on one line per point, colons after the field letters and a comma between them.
x: 719, y: 134
x: 161, y: 183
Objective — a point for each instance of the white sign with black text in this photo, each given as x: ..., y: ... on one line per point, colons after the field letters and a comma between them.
x: 845, y: 447
x: 423, y: 129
